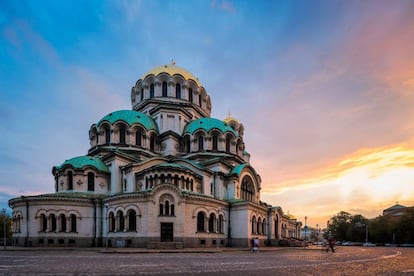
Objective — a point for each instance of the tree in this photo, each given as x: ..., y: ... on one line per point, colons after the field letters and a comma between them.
x: 405, y: 227
x: 339, y: 225
x: 8, y: 227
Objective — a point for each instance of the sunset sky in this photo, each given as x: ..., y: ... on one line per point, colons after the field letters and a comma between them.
x: 325, y: 89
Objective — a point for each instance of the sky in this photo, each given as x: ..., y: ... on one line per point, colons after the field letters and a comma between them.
x: 324, y: 89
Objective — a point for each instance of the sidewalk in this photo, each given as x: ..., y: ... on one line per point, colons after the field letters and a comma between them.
x: 129, y: 250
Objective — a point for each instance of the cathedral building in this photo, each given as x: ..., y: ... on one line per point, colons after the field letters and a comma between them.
x: 163, y: 174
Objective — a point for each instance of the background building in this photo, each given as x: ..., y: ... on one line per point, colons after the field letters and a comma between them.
x: 164, y: 174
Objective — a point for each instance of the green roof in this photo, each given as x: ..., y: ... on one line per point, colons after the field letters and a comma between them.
x: 84, y: 161
x: 170, y: 165
x: 208, y: 124
x: 130, y: 117
x: 237, y: 170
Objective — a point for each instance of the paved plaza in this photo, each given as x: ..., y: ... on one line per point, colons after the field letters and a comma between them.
x: 277, y: 261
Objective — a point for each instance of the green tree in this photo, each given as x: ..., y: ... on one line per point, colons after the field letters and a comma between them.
x: 405, y: 227
x: 8, y: 227
x: 339, y: 226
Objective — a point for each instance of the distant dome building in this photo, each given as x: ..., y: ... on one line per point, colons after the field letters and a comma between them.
x: 162, y: 174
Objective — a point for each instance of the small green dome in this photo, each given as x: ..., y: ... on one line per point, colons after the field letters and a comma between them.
x: 130, y: 117
x: 208, y: 124
x: 84, y: 161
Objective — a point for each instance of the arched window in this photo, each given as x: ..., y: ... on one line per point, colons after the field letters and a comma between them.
x: 254, y: 223
x: 259, y: 226
x: 215, y: 142
x: 70, y: 180
x: 107, y: 135
x: 122, y: 133
x: 62, y: 223
x: 247, y: 189
x: 72, y: 223
x: 167, y: 207
x: 91, y: 181
x: 132, y: 220
x: 200, y: 143
x: 172, y: 210
x: 264, y: 228
x: 190, y: 95
x: 138, y: 138
x: 220, y: 224
x: 228, y: 141
x: 152, y: 91
x: 121, y: 220
x: 200, y: 222
x: 200, y: 99
x: 161, y: 209
x: 178, y: 91
x: 164, y: 89
x: 187, y: 145
x: 43, y: 223
x: 211, y: 222
x: 152, y: 143
x: 111, y: 222
x: 142, y: 94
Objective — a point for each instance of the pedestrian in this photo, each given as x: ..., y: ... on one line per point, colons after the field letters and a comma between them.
x: 331, y: 243
x: 256, y: 245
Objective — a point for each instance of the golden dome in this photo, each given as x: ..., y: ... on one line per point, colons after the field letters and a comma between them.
x: 231, y: 119
x: 172, y: 70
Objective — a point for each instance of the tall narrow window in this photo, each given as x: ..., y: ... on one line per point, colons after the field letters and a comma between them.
x: 91, y: 181
x: 107, y: 135
x: 73, y: 223
x: 111, y: 223
x: 200, y: 222
x: 200, y: 99
x: 152, y: 91
x: 167, y: 207
x: 254, y: 225
x: 172, y: 210
x: 132, y: 220
x: 63, y: 223
x: 178, y: 91
x: 121, y: 220
x: 215, y: 140
x: 164, y: 89
x: 152, y: 143
x: 200, y: 143
x: 122, y: 133
x: 138, y: 138
x: 220, y: 224
x: 190, y: 95
x: 211, y: 222
x: 52, y: 222
x: 228, y: 141
x: 142, y: 94
x: 70, y: 180
x: 43, y: 222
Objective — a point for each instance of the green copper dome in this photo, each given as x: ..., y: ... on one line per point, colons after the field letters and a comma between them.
x: 130, y: 117
x: 84, y: 161
x: 208, y: 124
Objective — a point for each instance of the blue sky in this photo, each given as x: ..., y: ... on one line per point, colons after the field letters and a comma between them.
x: 317, y: 84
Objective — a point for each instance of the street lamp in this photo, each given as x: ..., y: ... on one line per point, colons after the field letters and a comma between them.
x: 366, y: 233
x: 306, y: 228
x: 106, y: 225
x: 4, y: 227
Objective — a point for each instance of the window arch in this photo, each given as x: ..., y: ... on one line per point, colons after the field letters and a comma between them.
x: 138, y: 138
x: 73, y: 223
x: 247, y: 189
x: 254, y: 223
x: 132, y: 220
x: 190, y: 95
x: 228, y: 143
x: 43, y: 223
x: 200, y: 142
x: 211, y: 223
x: 122, y: 134
x: 107, y: 135
x: 91, y: 181
x: 220, y: 225
x: 70, y: 180
x: 152, y: 90
x: 62, y: 223
x: 200, y: 222
x: 264, y: 228
x: 178, y: 91
x: 164, y: 89
x: 215, y: 142
x: 152, y: 143
x: 259, y: 226
x: 121, y: 221
x: 142, y: 94
x: 111, y: 222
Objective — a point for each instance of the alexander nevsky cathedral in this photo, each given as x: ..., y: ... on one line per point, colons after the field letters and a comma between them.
x: 161, y: 175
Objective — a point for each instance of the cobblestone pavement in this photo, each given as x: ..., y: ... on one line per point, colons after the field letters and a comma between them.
x: 291, y: 261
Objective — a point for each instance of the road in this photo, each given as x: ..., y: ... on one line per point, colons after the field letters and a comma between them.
x: 346, y: 261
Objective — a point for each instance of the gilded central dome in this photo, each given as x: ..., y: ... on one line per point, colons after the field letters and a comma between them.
x: 172, y: 70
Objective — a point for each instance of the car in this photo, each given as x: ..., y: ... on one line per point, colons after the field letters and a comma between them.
x: 369, y: 244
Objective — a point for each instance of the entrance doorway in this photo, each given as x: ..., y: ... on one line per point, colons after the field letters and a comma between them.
x: 167, y: 232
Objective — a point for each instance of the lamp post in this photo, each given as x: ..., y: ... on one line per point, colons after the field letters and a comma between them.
x: 366, y: 233
x: 306, y: 228
x: 106, y: 225
x: 4, y: 227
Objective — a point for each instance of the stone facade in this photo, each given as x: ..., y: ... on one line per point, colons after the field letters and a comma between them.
x: 163, y: 173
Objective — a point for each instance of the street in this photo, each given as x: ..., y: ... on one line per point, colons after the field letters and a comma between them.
x: 288, y: 261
